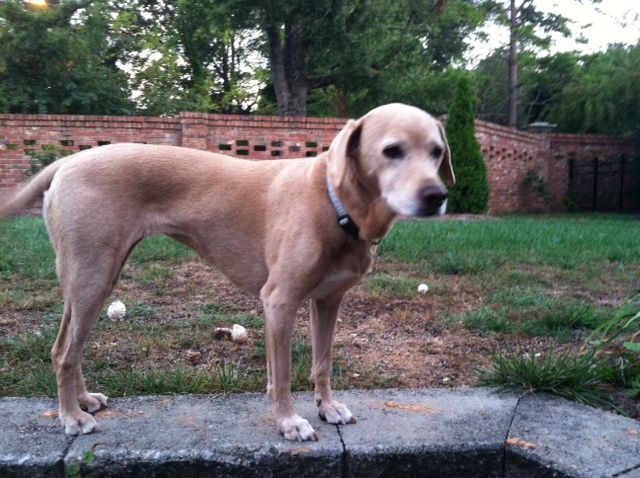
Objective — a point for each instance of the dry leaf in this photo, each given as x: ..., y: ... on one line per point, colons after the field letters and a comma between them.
x: 190, y: 421
x: 408, y: 407
x: 50, y: 414
x: 299, y: 451
x: 107, y: 413
x: 634, y: 432
x: 521, y: 443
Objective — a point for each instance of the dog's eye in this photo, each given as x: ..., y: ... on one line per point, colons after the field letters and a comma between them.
x: 437, y: 152
x: 393, y: 152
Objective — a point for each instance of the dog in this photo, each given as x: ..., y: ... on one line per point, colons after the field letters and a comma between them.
x: 288, y: 230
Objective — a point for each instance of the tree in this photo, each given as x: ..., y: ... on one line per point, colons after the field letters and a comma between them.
x: 192, y: 55
x: 542, y: 80
x: 59, y: 60
x: 525, y: 22
x: 354, y: 49
x: 602, y: 96
x: 413, y: 56
x: 471, y: 192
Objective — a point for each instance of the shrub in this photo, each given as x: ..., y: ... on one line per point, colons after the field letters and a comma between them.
x: 471, y: 192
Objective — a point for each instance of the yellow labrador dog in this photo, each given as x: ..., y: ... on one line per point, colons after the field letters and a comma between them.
x: 289, y: 230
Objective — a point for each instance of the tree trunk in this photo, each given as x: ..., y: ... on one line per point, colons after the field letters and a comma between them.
x: 513, y: 65
x: 278, y: 74
x: 289, y: 65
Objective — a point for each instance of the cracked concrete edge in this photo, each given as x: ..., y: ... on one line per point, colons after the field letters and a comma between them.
x: 456, y: 432
x: 568, y: 439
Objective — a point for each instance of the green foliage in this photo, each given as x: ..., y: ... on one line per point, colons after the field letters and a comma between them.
x: 534, y: 182
x: 541, y: 82
x: 603, y: 95
x: 593, y: 94
x: 40, y: 159
x: 59, y: 60
x: 387, y: 51
x: 471, y: 192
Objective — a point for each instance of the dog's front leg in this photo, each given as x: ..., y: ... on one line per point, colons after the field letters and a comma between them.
x: 324, y: 313
x: 280, y: 316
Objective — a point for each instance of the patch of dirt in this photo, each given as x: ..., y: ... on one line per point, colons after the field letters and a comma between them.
x: 380, y: 340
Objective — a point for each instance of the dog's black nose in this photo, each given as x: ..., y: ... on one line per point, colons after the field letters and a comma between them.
x: 432, y: 197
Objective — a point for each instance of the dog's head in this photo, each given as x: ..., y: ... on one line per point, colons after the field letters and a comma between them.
x: 401, y: 154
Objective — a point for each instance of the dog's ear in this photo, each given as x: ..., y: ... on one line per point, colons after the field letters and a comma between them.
x: 344, y: 150
x: 446, y: 169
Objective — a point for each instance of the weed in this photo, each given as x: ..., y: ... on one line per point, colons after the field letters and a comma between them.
x: 617, y: 341
x: 576, y: 378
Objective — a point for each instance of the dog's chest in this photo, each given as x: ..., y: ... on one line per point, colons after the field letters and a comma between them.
x: 347, y: 272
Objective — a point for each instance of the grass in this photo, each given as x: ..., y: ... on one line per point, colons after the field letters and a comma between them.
x: 532, y: 313
x: 472, y: 247
x: 393, y: 285
x: 520, y: 276
x: 576, y: 378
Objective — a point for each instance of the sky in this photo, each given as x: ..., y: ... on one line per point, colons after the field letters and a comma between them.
x: 610, y: 21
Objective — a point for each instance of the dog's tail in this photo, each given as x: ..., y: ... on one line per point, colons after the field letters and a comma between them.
x: 14, y: 200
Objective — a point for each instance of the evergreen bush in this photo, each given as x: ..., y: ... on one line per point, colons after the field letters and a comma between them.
x: 471, y: 192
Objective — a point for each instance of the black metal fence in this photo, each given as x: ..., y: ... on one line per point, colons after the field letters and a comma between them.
x: 605, y: 184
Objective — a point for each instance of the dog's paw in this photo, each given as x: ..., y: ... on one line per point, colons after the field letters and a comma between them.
x: 335, y: 412
x: 92, y: 402
x: 296, y: 428
x: 78, y: 424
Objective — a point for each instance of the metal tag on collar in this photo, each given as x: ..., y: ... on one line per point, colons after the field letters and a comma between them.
x: 348, y: 226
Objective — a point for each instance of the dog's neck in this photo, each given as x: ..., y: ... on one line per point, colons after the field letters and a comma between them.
x: 364, y: 206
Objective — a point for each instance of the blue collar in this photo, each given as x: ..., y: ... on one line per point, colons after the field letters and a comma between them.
x: 344, y: 219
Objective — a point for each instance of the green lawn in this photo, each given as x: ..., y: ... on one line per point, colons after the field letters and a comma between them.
x: 468, y: 247
x: 561, y: 277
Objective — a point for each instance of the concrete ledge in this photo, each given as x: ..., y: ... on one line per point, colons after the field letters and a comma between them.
x: 436, y: 433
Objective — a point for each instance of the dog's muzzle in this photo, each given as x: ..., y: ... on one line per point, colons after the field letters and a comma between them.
x: 433, y: 201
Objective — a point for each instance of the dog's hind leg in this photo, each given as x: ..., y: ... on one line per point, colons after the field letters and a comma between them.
x: 86, y: 284
x: 324, y: 313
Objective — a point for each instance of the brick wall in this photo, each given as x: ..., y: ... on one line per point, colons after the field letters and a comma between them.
x: 511, y: 155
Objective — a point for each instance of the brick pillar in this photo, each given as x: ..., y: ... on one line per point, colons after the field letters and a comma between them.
x: 195, y: 130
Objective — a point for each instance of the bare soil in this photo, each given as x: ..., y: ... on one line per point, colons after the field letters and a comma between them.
x: 381, y: 340
x: 400, y: 341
